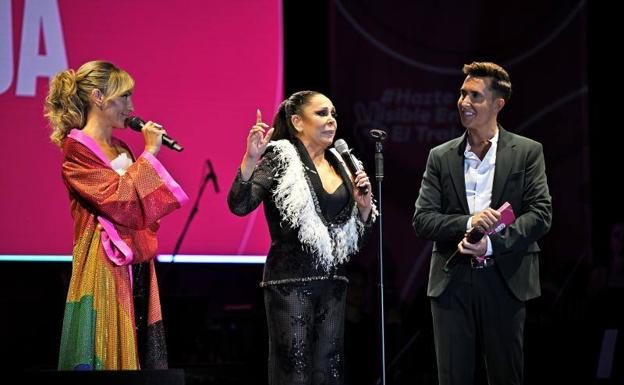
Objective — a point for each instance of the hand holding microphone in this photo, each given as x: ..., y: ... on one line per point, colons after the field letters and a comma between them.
x: 137, y: 124
x: 493, y: 221
x: 471, y: 244
x: 353, y: 164
x: 474, y: 236
x: 152, y: 137
x: 363, y: 197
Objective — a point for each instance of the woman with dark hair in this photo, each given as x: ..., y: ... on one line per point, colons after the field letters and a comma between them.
x: 317, y: 218
x: 112, y: 314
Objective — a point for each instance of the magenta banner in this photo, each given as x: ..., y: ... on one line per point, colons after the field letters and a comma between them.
x: 201, y: 70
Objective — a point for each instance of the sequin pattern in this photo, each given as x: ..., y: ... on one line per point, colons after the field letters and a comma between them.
x: 102, y: 312
x: 305, y: 303
x: 306, y: 331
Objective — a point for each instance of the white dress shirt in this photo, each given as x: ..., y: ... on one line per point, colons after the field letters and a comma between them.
x: 479, y: 178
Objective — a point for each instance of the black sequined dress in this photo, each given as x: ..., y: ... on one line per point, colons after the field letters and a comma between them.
x: 305, y: 302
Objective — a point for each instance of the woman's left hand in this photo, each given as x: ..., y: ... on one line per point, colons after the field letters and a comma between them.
x: 364, y: 201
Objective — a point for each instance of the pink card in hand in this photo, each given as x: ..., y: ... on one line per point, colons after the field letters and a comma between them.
x: 507, y: 218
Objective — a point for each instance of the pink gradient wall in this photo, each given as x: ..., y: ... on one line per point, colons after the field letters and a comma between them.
x: 201, y: 69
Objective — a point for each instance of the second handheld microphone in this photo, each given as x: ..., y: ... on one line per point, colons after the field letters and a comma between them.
x: 474, y: 236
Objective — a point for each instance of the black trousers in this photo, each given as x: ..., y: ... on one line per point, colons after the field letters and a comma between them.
x: 478, y: 313
x: 306, y: 332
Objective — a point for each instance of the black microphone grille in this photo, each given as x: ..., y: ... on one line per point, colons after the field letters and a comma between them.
x: 134, y: 122
x: 378, y: 134
x: 475, y: 235
x: 341, y: 146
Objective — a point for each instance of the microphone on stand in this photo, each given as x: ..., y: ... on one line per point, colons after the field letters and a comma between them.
x: 137, y: 124
x: 379, y: 136
x: 354, y: 165
x: 211, y: 175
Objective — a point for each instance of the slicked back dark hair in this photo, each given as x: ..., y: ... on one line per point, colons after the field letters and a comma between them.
x: 289, y: 107
x: 500, y: 84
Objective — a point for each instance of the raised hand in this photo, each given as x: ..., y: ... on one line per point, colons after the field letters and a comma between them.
x: 258, y: 138
x: 257, y: 141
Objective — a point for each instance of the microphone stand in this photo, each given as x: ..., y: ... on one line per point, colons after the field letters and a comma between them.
x: 210, y: 175
x: 379, y: 136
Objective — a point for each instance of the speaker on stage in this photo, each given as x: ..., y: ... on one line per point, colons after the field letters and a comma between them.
x: 105, y: 377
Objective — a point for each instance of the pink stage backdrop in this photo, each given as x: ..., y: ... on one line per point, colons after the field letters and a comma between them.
x: 201, y: 69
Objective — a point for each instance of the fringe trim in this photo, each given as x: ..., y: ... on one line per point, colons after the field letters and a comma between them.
x: 331, y: 245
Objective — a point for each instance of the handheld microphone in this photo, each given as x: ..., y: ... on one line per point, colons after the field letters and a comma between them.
x: 474, y: 236
x: 137, y: 124
x: 354, y: 165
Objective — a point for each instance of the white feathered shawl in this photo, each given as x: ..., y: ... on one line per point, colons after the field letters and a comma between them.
x: 331, y: 245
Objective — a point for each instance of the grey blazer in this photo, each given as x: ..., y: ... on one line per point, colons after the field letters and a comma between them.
x: 442, y: 210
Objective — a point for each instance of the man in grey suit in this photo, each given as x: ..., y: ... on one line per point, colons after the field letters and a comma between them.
x: 479, y: 304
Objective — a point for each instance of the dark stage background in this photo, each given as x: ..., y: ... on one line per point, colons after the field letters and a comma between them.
x: 396, y: 65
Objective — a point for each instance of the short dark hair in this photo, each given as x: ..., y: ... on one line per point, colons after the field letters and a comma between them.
x: 500, y: 84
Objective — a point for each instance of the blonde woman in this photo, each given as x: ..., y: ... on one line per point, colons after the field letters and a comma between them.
x: 112, y: 316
